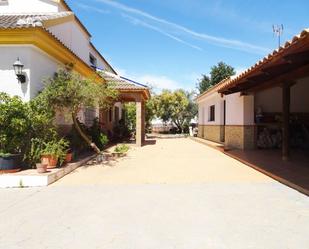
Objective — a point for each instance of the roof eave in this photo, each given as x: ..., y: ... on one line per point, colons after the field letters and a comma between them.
x: 277, y: 53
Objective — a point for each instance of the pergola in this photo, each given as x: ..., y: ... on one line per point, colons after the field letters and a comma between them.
x: 131, y: 91
x: 281, y: 68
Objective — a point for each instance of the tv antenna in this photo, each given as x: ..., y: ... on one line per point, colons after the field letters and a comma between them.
x: 278, y: 30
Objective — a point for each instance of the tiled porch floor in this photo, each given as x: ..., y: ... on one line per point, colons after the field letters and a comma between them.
x: 294, y: 173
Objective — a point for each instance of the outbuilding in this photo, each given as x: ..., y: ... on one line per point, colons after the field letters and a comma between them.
x: 266, y: 106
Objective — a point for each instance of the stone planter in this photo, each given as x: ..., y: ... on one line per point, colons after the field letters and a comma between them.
x: 41, y: 168
x: 50, y: 161
x: 11, y: 163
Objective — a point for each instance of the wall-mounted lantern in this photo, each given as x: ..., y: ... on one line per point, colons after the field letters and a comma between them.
x: 18, y: 68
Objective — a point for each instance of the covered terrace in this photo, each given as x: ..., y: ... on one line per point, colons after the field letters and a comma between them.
x: 280, y: 85
x: 131, y: 91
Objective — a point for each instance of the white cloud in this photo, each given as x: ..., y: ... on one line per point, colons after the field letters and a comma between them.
x: 157, y: 82
x: 139, y: 22
x: 136, y: 21
x: 88, y: 7
x: 219, y: 41
x: 239, y: 70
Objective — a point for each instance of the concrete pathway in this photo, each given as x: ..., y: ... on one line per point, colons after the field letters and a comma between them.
x: 175, y: 194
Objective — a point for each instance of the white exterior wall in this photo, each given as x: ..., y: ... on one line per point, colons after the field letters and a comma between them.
x: 26, y: 6
x: 270, y: 100
x: 204, y: 105
x: 37, y: 65
x: 42, y: 67
x: 8, y: 80
x: 234, y: 109
x: 74, y: 38
x: 70, y: 33
x: 100, y: 63
x: 239, y: 109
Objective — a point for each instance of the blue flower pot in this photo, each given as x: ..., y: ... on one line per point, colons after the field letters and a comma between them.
x: 10, y: 163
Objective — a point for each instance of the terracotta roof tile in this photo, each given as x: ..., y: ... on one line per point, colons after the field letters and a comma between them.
x: 122, y: 83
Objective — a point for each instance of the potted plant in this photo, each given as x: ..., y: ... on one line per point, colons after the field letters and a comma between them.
x: 14, y: 125
x: 41, y: 168
x: 10, y: 163
x: 53, y: 152
x: 69, y: 156
x: 120, y: 150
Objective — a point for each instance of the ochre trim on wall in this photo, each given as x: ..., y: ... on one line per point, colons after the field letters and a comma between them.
x: 44, y: 40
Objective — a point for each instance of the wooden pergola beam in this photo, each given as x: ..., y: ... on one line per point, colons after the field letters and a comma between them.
x: 286, y: 99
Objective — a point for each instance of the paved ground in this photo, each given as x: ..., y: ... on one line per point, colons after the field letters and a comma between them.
x: 175, y: 194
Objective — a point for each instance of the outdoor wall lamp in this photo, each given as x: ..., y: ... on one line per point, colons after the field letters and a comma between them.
x: 18, y: 68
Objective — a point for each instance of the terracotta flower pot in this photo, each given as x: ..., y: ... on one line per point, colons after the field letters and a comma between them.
x: 50, y: 161
x: 68, y: 157
x: 41, y: 168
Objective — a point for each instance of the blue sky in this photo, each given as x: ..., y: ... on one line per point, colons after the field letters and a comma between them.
x: 170, y: 43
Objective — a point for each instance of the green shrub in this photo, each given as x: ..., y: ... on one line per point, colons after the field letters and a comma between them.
x: 24, y: 126
x: 97, y: 136
x: 77, y: 143
x: 57, y: 148
x: 14, y: 124
x: 103, y: 140
x: 121, y: 148
x: 121, y: 130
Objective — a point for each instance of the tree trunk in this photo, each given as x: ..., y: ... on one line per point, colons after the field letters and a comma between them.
x: 83, y: 135
x: 178, y: 125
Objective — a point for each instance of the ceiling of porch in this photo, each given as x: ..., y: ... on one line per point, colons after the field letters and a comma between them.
x: 284, y: 65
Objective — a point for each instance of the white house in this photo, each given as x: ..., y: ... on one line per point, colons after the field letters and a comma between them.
x: 45, y: 35
x: 264, y: 107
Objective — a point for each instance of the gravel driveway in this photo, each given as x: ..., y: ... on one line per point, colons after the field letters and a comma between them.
x: 174, y: 194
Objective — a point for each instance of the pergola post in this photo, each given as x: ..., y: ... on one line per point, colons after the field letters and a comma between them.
x: 286, y: 96
x: 140, y: 123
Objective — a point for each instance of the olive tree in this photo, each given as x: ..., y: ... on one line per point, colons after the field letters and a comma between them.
x: 68, y: 91
x: 177, y: 106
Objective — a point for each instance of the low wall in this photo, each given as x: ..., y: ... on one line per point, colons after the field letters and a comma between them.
x: 211, y: 132
x: 239, y: 136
